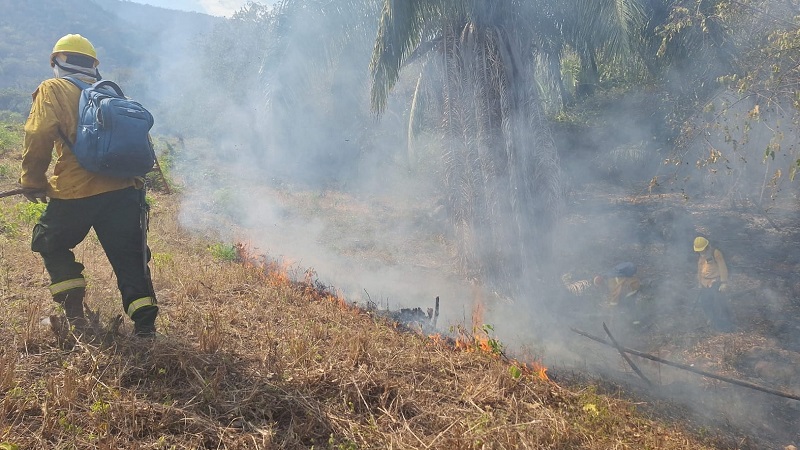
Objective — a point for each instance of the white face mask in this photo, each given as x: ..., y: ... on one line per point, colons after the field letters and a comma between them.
x: 61, y: 69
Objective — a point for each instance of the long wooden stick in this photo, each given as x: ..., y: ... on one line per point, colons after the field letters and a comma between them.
x: 12, y: 192
x: 625, y: 357
x: 692, y: 369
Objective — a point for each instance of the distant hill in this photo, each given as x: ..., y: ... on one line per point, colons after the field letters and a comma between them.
x: 131, y: 39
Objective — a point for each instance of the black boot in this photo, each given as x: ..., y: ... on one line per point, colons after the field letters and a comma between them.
x: 72, y: 302
x: 144, y: 322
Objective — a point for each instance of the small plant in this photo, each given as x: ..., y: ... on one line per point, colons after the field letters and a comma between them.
x: 150, y: 200
x: 490, y: 344
x: 223, y: 252
x: 162, y: 260
x: 10, y: 136
x: 30, y: 212
x: 5, y: 171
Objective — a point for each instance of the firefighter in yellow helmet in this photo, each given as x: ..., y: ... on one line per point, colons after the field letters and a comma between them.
x: 80, y: 200
x: 712, y: 277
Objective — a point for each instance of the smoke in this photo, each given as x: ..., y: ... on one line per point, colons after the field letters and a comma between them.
x: 222, y: 7
x: 283, y: 153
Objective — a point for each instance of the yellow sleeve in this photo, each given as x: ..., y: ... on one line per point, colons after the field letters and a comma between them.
x: 634, y: 284
x: 41, y: 132
x: 614, y: 290
x: 723, y: 268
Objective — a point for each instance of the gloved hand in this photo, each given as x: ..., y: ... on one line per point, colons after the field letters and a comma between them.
x: 723, y: 287
x: 35, y: 195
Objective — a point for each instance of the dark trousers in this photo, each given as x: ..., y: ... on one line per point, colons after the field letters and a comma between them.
x: 115, y: 217
x: 715, y: 307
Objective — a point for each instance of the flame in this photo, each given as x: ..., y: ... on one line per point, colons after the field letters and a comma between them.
x: 277, y: 273
x: 540, y: 371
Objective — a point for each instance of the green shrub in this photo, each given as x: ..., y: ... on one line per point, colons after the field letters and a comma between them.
x: 223, y: 252
x: 30, y: 212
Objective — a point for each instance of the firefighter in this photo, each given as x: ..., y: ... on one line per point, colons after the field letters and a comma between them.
x: 621, y: 282
x: 712, y: 278
x: 80, y: 200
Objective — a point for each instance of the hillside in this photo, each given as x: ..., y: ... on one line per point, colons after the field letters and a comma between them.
x: 251, y: 359
x: 131, y: 39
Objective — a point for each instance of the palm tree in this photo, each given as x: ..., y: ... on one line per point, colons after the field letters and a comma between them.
x: 492, y: 62
x: 500, y: 165
x: 594, y: 28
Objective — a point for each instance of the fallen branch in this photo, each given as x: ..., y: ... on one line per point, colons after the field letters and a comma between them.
x: 742, y: 383
x: 625, y: 357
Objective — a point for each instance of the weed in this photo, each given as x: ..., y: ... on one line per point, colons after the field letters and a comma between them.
x: 492, y: 345
x: 10, y: 136
x: 151, y: 201
x: 161, y: 260
x: 346, y: 445
x: 29, y: 213
x: 223, y: 252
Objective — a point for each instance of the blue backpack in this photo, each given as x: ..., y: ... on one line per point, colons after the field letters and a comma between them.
x: 113, y: 132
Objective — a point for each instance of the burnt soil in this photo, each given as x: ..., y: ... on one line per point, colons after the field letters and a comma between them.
x: 655, y: 231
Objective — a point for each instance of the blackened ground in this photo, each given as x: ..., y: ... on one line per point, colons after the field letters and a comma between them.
x: 664, y: 319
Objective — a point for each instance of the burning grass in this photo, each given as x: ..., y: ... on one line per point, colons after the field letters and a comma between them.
x: 253, y: 358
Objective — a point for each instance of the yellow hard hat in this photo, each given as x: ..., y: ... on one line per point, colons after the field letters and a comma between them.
x: 75, y: 43
x: 700, y: 243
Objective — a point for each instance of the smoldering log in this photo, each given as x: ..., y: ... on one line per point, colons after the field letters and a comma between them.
x: 742, y: 383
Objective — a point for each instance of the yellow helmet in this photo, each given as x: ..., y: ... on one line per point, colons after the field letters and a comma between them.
x: 700, y: 243
x: 75, y: 43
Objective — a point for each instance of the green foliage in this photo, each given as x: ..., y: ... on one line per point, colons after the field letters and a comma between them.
x: 758, y: 114
x: 29, y: 213
x: 333, y: 443
x: 495, y: 346
x: 10, y: 137
x: 162, y: 260
x: 224, y: 252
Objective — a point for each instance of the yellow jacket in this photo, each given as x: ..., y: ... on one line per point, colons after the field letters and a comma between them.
x: 709, y: 271
x: 619, y: 287
x: 55, y: 106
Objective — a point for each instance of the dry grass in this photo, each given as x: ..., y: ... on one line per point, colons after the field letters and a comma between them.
x: 251, y: 359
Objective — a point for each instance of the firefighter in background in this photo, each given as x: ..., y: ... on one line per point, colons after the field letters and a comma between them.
x: 712, y: 277
x: 621, y: 282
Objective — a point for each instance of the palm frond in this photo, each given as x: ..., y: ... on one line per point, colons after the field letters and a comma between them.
x: 403, y: 26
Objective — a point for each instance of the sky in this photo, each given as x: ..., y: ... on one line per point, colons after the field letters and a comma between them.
x: 213, y: 7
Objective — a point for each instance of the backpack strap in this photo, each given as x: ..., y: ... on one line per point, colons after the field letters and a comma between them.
x: 81, y: 85
x: 103, y: 83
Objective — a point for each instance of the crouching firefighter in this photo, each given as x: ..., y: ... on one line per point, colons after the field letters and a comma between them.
x: 621, y: 282
x: 80, y: 200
